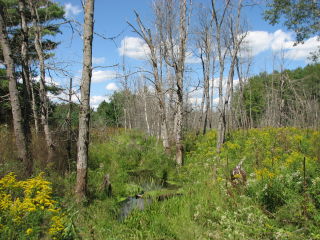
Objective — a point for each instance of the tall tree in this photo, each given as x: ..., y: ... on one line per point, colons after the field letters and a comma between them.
x: 43, y: 92
x: 174, y: 42
x: 205, y: 46
x: 155, y: 58
x: 84, y: 116
x: 237, y: 35
x: 21, y: 141
x: 221, y: 48
x: 25, y: 68
x: 179, y: 67
x: 228, y: 38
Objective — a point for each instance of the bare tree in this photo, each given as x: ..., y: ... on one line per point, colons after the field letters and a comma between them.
x: 155, y: 58
x: 219, y: 21
x: 243, y: 65
x: 84, y: 116
x: 237, y: 35
x: 145, y: 93
x: 205, y: 45
x: 229, y: 36
x: 21, y: 141
x: 175, y: 55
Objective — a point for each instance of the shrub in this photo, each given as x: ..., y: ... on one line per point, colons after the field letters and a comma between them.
x: 27, y: 209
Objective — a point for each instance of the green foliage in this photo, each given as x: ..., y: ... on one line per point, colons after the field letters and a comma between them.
x: 60, y: 112
x: 254, y: 95
x: 5, y: 108
x: 301, y: 84
x: 133, y: 160
x: 299, y: 16
x: 275, y: 203
x: 279, y: 201
x: 111, y: 113
x: 49, y: 13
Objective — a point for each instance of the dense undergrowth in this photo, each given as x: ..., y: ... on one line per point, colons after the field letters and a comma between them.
x: 280, y: 200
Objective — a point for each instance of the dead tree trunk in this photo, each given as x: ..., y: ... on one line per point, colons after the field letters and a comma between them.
x: 34, y: 107
x: 237, y: 36
x: 179, y: 70
x: 144, y: 96
x: 146, y: 35
x: 69, y: 124
x: 84, y: 116
x: 21, y: 142
x: 174, y: 55
x: 219, y: 21
x: 205, y: 46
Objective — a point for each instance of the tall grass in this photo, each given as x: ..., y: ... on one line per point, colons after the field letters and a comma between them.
x: 277, y: 202
x: 280, y: 199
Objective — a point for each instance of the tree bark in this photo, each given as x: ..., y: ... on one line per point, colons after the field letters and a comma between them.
x: 69, y: 125
x: 25, y: 70
x: 174, y: 56
x: 84, y: 116
x: 34, y: 108
x: 145, y: 108
x: 179, y: 69
x: 21, y: 142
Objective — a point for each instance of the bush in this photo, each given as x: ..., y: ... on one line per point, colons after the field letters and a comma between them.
x: 27, y: 209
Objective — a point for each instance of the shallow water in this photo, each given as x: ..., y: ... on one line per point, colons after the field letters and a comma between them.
x: 133, y: 203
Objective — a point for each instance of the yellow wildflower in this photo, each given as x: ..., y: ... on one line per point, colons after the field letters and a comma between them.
x: 29, y: 231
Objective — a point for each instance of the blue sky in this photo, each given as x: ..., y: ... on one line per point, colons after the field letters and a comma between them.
x: 264, y: 40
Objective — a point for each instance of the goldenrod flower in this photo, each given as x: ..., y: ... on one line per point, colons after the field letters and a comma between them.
x: 29, y: 231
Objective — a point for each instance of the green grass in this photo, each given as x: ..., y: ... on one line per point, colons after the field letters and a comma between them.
x: 276, y: 203
x: 279, y: 201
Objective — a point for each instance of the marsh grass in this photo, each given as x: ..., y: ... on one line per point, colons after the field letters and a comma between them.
x: 280, y: 199
x: 274, y: 204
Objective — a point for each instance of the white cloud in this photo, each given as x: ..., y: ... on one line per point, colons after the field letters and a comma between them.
x: 96, y: 100
x: 71, y: 10
x: 302, y: 51
x: 260, y: 41
x: 281, y: 40
x: 103, y: 75
x: 134, y: 47
x: 98, y: 60
x: 112, y: 87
